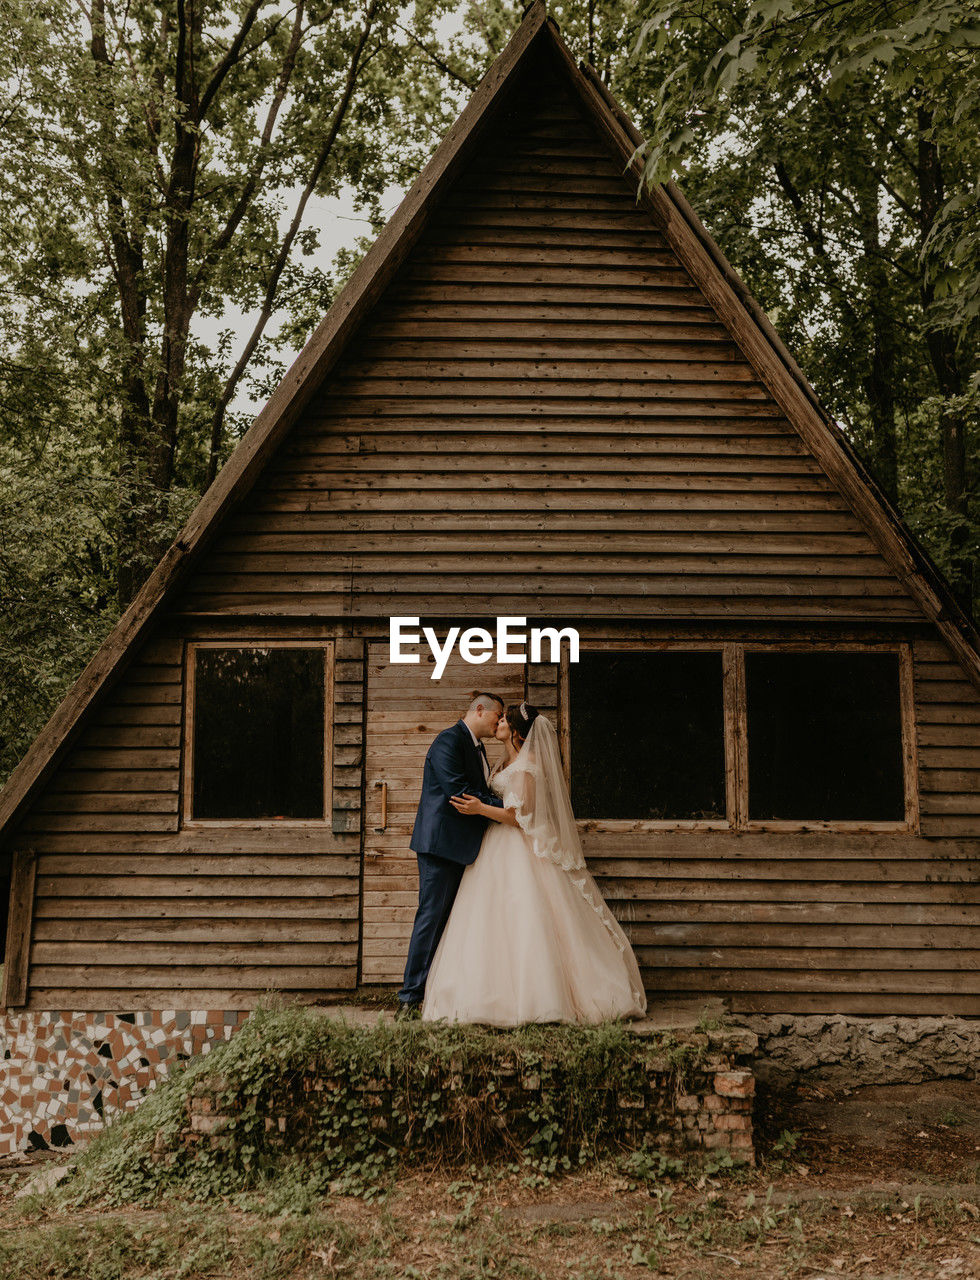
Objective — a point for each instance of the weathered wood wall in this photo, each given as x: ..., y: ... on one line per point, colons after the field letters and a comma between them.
x: 545, y: 404
x: 793, y: 922
x: 130, y: 910
x: 812, y: 921
x: 543, y: 417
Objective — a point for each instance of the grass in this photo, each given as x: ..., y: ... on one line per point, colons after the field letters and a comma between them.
x: 433, y: 1227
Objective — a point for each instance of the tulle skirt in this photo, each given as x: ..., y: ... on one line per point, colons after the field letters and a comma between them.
x: 529, y: 942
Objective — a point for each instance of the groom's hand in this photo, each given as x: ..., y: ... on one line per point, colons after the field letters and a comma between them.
x: 467, y: 804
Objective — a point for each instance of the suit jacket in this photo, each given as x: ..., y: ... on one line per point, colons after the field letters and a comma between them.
x: 452, y: 765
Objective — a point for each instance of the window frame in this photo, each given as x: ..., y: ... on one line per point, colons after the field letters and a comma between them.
x: 736, y: 740
x: 191, y: 648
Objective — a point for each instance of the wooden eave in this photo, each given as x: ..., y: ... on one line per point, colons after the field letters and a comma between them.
x: 694, y: 248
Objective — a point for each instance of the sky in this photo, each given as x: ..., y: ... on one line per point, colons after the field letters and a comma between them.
x: 339, y: 227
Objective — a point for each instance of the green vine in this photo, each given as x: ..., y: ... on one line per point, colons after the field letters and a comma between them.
x: 340, y: 1106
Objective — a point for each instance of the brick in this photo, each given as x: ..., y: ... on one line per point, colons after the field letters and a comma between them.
x: 735, y: 1084
x: 739, y: 1104
x: 714, y: 1140
x: 734, y: 1122
x: 687, y: 1102
x: 204, y: 1124
x: 712, y: 1102
x: 742, y: 1141
x: 629, y: 1102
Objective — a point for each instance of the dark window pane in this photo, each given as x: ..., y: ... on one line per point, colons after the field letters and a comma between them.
x: 258, y: 733
x: 824, y: 736
x: 648, y: 737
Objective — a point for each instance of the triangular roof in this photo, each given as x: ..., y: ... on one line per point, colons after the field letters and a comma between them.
x: 701, y: 257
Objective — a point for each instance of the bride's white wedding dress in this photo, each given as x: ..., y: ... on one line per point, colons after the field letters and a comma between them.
x: 529, y: 937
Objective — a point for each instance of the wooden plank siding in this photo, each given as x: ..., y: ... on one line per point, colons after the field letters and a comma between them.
x: 810, y: 922
x: 131, y: 910
x: 542, y: 398
x: 948, y: 715
x: 542, y: 415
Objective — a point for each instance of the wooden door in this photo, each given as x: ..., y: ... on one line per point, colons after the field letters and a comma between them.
x: 406, y: 709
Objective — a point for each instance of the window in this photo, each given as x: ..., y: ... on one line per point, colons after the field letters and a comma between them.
x: 257, y: 747
x: 741, y: 735
x: 824, y: 736
x: 649, y: 735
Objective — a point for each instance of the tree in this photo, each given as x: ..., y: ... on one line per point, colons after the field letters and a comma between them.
x: 163, y: 158
x: 843, y: 139
x: 158, y: 163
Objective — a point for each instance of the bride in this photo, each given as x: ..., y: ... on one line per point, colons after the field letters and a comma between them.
x: 529, y: 937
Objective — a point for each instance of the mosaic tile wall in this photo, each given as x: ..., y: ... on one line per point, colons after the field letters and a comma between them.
x: 63, y: 1074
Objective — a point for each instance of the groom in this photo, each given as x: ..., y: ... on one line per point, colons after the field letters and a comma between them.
x: 444, y: 841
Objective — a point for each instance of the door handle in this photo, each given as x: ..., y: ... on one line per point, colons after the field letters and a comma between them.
x: 384, y: 807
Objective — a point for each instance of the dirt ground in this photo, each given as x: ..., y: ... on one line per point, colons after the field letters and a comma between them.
x: 879, y: 1184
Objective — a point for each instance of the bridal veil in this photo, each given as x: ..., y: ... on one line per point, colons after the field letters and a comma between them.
x: 536, y: 788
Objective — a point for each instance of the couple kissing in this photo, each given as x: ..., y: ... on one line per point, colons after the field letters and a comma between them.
x: 510, y: 926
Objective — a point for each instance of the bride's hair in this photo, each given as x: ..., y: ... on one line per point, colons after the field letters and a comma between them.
x: 520, y: 718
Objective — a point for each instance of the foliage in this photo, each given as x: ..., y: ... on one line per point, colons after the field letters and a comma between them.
x: 189, y: 1241
x: 418, y: 1234
x: 56, y: 582
x: 257, y: 1075
x: 839, y: 144
x: 158, y: 168
x: 785, y: 1152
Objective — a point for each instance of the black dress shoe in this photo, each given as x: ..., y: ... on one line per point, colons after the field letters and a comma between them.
x: 409, y: 1011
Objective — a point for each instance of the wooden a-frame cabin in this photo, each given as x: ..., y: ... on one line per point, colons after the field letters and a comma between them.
x: 538, y: 396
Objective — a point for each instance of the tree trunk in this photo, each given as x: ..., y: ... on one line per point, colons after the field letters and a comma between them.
x: 880, y: 389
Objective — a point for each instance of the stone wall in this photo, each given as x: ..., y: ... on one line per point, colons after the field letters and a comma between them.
x: 707, y: 1106
x: 62, y: 1075
x: 854, y: 1051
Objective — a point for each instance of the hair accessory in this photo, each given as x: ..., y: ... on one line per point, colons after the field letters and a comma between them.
x: 523, y: 710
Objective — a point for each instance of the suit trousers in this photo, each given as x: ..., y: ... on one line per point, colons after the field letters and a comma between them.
x: 438, y: 882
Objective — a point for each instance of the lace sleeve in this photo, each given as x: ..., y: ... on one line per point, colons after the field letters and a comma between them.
x: 519, y: 793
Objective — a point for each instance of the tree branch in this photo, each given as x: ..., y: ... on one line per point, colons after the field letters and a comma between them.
x: 152, y: 120
x: 223, y: 238
x: 812, y: 236
x: 436, y: 61
x: 228, y: 61
x: 218, y: 419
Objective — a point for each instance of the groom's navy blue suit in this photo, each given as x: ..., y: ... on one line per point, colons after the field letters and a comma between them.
x: 445, y: 843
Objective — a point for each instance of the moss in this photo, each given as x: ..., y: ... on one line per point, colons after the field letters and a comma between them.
x: 393, y: 1092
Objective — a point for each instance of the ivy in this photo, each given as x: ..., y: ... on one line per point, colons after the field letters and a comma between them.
x: 357, y: 1102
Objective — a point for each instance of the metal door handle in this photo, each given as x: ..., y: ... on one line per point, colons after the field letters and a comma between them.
x: 384, y: 807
